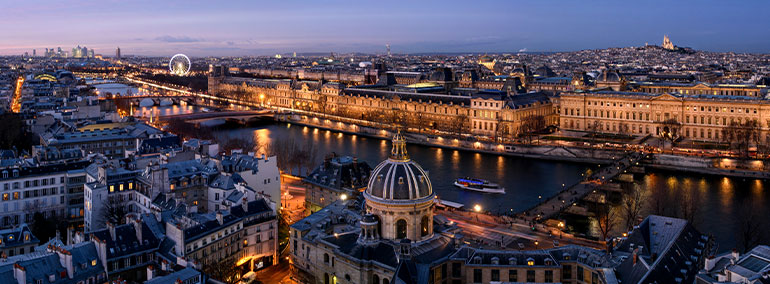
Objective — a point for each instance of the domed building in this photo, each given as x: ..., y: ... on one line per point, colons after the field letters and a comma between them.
x: 611, y: 79
x: 401, y: 195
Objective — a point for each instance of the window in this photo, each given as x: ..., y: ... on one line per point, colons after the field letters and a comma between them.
x: 401, y: 229
x: 566, y: 272
x: 579, y: 275
x: 513, y: 275
x: 549, y: 276
x: 456, y: 269
x: 424, y: 225
x: 530, y: 276
x: 495, y: 275
x: 477, y: 275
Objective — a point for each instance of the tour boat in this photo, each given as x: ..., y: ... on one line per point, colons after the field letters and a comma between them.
x: 479, y: 185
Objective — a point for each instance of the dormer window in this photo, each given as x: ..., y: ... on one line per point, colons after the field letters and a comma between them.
x: 530, y: 261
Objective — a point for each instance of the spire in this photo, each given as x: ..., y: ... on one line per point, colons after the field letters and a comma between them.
x: 399, y: 148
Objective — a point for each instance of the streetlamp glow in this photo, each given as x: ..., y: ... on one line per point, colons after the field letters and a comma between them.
x: 344, y: 197
x: 477, y: 208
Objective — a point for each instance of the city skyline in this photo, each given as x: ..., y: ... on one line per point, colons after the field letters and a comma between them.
x: 244, y: 29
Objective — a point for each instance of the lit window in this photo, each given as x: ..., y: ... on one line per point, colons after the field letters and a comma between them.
x: 130, y: 185
x: 112, y: 188
x: 16, y: 195
x: 6, y: 196
x: 93, y: 262
x: 120, y: 187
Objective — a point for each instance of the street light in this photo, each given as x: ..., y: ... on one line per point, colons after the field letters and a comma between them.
x: 477, y: 208
x: 344, y: 197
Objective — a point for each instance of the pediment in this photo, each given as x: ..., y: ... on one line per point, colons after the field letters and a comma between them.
x: 667, y: 97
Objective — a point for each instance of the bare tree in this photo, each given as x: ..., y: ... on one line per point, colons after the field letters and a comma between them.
x: 232, y: 143
x: 659, y: 198
x: 670, y: 130
x: 224, y: 271
x: 632, y: 205
x: 741, y: 136
x: 114, y: 210
x: 530, y: 125
x: 606, y: 219
x: 750, y: 230
x: 688, y: 200
x: 459, y: 125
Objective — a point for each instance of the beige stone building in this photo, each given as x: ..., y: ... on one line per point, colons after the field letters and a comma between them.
x: 699, y: 117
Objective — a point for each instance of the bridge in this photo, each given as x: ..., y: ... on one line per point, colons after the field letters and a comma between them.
x: 555, y: 205
x: 231, y: 115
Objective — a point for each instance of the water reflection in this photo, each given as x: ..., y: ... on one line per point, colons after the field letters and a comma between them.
x: 525, y: 179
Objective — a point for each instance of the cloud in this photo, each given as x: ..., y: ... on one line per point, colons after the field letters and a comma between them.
x: 168, y: 38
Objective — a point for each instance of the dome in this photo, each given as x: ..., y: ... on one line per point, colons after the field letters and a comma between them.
x: 399, y: 178
x: 609, y: 76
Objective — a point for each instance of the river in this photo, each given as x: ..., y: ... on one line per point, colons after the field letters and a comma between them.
x: 718, y: 199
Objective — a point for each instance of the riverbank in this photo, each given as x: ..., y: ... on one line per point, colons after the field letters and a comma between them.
x: 560, y: 153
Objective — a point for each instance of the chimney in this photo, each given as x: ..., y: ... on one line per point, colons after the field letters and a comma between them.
x: 709, y: 263
x: 150, y: 272
x: 65, y: 259
x: 635, y: 255
x: 245, y: 204
x: 111, y: 227
x: 734, y: 254
x: 20, y: 273
x: 138, y: 228
x: 404, y: 250
x: 219, y: 217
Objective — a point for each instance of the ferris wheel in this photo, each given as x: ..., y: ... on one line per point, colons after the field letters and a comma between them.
x: 179, y: 65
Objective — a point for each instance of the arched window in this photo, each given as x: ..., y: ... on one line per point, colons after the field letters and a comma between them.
x: 424, y: 226
x: 326, y: 258
x: 401, y: 229
x: 375, y: 279
x: 326, y: 278
x: 385, y: 281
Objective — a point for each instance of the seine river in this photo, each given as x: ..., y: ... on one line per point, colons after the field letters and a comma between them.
x: 718, y: 199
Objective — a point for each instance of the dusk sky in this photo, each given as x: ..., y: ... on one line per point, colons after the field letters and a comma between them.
x: 249, y: 27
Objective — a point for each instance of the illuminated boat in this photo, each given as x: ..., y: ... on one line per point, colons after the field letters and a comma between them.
x: 479, y: 185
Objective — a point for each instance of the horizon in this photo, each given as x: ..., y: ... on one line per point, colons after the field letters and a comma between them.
x: 243, y: 28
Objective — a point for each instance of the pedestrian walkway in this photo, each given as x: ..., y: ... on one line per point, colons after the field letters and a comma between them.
x: 554, y: 205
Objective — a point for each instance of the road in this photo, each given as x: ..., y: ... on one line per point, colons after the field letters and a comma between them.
x: 493, y: 232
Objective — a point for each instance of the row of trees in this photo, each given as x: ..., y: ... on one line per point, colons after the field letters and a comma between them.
x: 680, y: 202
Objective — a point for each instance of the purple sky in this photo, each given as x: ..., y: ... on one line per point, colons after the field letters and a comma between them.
x: 251, y: 27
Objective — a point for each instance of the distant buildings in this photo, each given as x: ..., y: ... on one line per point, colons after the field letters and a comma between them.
x: 667, y: 44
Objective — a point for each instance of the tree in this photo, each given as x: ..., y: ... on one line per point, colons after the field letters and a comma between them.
x: 114, y: 210
x: 606, y: 219
x: 224, y: 271
x: 459, y: 125
x: 658, y: 200
x: 750, y: 230
x: 688, y: 200
x: 632, y: 204
x: 232, y: 143
x: 531, y: 125
x: 670, y: 130
x: 15, y: 134
x: 741, y: 135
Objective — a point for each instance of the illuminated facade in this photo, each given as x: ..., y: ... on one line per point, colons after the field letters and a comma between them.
x: 700, y: 117
x: 427, y: 105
